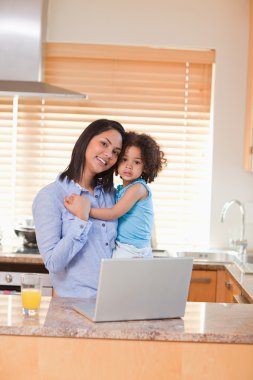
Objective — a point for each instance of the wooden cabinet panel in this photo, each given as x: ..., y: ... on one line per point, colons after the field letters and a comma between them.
x: 215, y: 286
x: 202, y: 286
x: 248, y: 150
x: 227, y: 289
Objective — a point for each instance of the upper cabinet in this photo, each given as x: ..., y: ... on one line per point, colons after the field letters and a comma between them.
x: 248, y: 147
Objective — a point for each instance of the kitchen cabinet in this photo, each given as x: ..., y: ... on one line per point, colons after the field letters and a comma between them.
x: 248, y: 144
x: 227, y: 289
x: 203, y: 286
x: 63, y: 345
x: 215, y: 286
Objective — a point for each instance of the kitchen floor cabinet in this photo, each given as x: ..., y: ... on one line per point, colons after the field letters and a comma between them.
x: 203, y: 286
x: 215, y: 286
x: 227, y: 289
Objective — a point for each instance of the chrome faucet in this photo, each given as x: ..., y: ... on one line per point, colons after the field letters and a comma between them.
x: 241, y: 244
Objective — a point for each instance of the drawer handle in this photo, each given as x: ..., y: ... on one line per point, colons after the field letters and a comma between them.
x: 228, y: 284
x: 204, y: 280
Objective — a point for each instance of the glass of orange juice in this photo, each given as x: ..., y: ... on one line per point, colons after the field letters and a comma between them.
x: 30, y: 293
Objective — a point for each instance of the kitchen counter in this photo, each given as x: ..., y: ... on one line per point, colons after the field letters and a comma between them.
x: 203, y: 322
x: 212, y: 339
x: 19, y: 255
x: 244, y: 281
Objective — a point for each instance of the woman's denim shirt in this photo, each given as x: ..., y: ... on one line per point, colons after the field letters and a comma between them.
x: 72, y: 248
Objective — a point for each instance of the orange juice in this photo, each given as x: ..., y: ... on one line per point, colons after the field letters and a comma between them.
x: 31, y: 298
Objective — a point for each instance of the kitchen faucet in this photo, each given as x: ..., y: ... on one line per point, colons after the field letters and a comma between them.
x: 241, y: 244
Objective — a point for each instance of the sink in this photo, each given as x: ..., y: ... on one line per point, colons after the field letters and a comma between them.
x: 221, y: 256
x: 217, y: 256
x: 212, y: 256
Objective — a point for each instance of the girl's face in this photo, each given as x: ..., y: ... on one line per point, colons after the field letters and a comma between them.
x: 102, y: 152
x: 131, y: 165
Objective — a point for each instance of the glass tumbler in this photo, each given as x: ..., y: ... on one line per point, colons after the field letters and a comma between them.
x: 31, y: 293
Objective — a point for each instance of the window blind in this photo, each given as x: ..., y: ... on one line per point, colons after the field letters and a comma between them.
x: 163, y: 92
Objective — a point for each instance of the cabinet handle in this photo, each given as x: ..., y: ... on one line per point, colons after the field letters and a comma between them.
x: 204, y: 280
x: 228, y: 284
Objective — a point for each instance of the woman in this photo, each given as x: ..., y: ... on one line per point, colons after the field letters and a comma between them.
x: 73, y: 245
x: 140, y: 162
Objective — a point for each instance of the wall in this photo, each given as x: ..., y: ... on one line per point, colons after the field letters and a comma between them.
x: 221, y: 25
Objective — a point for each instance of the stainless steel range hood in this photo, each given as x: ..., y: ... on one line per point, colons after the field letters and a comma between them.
x: 22, y: 33
x: 36, y: 90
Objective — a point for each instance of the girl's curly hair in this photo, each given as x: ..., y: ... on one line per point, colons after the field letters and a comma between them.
x: 151, y: 155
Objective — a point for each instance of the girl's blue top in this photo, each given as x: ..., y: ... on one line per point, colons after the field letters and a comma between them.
x: 135, y: 227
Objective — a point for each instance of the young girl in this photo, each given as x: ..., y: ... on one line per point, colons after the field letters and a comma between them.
x: 139, y: 164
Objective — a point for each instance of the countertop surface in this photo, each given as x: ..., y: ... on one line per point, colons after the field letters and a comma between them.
x: 20, y: 255
x: 203, y: 322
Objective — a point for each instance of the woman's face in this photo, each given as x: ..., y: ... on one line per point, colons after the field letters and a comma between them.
x: 102, y: 152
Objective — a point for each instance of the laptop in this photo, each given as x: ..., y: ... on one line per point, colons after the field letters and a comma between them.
x: 139, y: 289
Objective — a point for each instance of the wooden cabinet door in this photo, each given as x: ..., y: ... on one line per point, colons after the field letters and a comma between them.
x: 248, y: 147
x: 202, y: 286
x: 227, y: 288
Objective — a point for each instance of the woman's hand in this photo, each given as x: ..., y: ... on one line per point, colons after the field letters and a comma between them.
x: 79, y: 205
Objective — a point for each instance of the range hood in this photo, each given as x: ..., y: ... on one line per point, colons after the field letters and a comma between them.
x: 22, y: 33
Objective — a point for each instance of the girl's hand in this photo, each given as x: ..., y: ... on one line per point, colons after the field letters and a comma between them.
x: 79, y: 205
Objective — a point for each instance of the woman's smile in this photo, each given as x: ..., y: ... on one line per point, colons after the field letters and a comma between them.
x: 102, y: 161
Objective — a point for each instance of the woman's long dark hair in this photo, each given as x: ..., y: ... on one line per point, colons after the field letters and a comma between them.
x: 74, y: 170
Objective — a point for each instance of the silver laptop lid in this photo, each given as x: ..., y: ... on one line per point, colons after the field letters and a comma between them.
x: 149, y: 288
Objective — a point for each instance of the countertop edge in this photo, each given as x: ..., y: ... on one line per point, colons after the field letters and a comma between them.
x: 170, y: 337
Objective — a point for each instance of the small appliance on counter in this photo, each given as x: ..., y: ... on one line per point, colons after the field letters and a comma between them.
x: 25, y: 229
